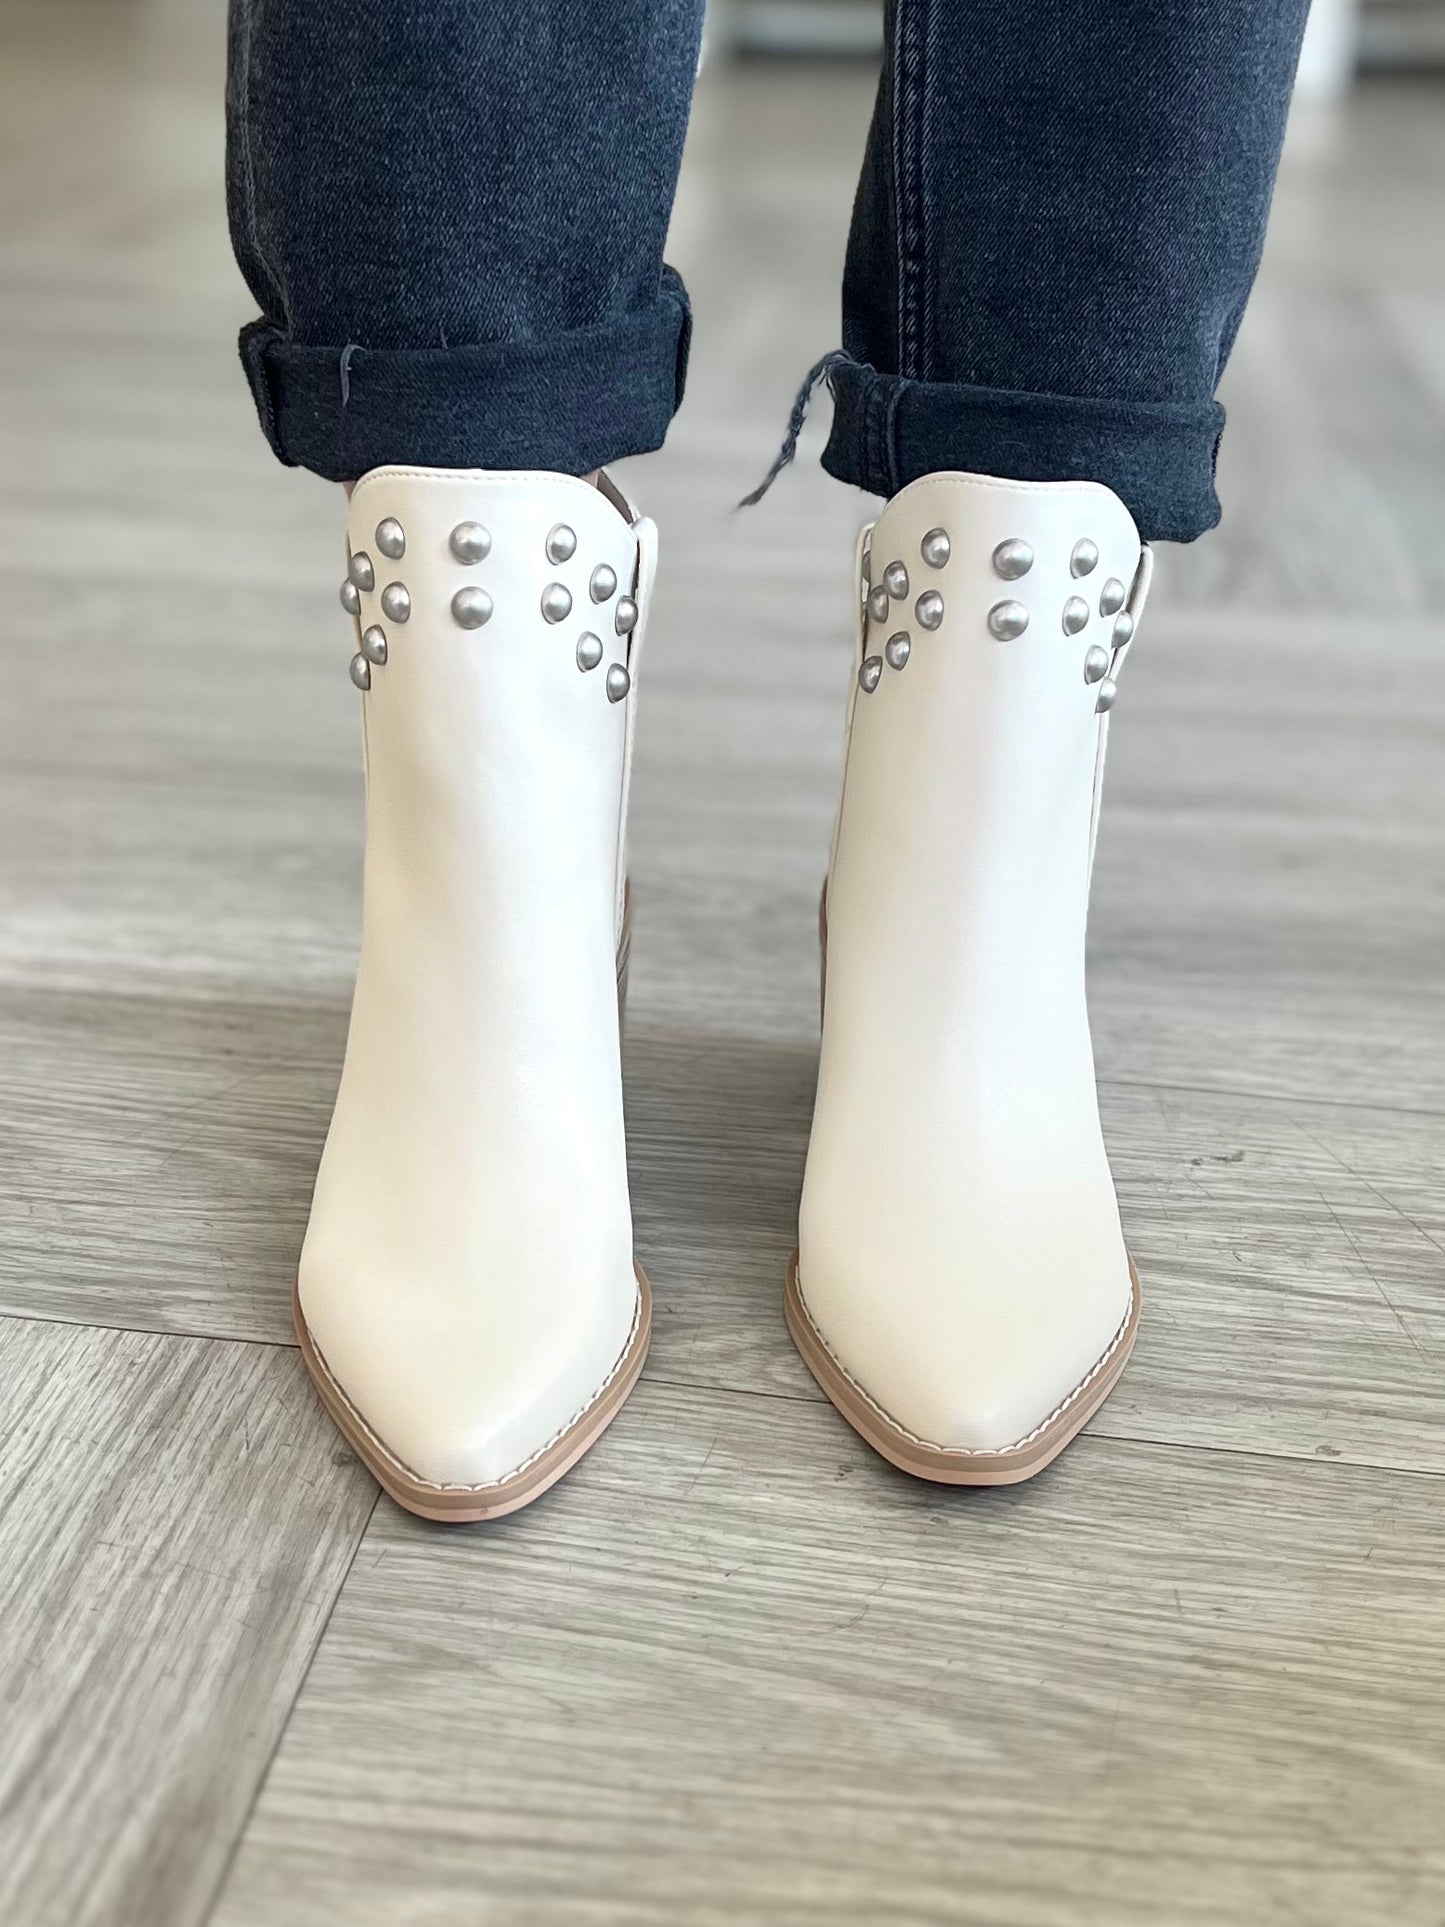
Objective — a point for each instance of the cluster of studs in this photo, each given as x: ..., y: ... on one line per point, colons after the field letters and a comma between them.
x: 561, y: 546
x: 395, y: 598
x: 1008, y: 618
x: 935, y: 550
x: 472, y: 606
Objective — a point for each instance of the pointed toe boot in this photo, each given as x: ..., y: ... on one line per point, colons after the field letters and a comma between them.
x: 961, y: 1290
x: 467, y: 1298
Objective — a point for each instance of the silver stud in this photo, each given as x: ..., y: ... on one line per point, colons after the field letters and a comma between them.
x: 1007, y: 620
x: 618, y: 683
x: 928, y: 610
x: 1111, y: 597
x: 896, y: 649
x: 561, y: 543
x: 589, y: 651
x: 362, y: 573
x: 391, y: 538
x: 1096, y: 664
x: 878, y: 605
x: 625, y: 619
x: 895, y: 580
x: 373, y: 645
x: 1108, y: 690
x: 1012, y: 559
x: 470, y: 542
x: 396, y: 601
x: 868, y: 674
x: 350, y: 598
x: 935, y: 548
x: 603, y: 583
x: 1076, y: 615
x: 1085, y: 558
x: 471, y: 607
x: 556, y: 602
x: 361, y: 672
x: 1123, y: 628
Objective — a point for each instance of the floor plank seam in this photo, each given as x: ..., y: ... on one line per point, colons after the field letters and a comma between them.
x: 146, y: 1331
x: 208, y: 1912
x: 1095, y: 1432
x: 1268, y: 1097
x: 1265, y: 1454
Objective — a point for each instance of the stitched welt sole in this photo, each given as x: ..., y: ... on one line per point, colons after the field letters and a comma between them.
x: 462, y: 1505
x: 1006, y: 1467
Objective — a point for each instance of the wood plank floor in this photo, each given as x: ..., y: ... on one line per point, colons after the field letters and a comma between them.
x: 734, y: 1669
x: 176, y: 1521
x: 746, y: 1673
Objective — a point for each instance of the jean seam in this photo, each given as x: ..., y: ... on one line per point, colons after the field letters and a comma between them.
x: 929, y: 12
x: 261, y: 254
x: 255, y: 355
x: 894, y: 392
x: 910, y: 28
x: 875, y: 408
x: 672, y: 289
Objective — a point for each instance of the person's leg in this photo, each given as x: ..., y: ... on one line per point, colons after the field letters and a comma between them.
x: 1060, y: 214
x: 453, y: 214
x: 452, y: 217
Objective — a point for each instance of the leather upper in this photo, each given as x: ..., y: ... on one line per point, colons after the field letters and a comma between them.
x: 467, y: 1273
x: 960, y: 1246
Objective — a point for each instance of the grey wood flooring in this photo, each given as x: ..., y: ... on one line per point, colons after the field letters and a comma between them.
x: 734, y: 1669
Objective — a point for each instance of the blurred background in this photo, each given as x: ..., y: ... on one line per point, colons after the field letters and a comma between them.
x: 1347, y: 37
x: 734, y: 1669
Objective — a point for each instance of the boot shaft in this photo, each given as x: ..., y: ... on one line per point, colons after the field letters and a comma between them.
x: 499, y: 630
x: 993, y: 617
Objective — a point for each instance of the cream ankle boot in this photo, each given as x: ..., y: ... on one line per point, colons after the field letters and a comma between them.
x: 467, y: 1300
x: 962, y: 1292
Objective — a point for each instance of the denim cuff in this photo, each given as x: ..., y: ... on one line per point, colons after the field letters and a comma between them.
x: 570, y: 403
x: 1158, y: 457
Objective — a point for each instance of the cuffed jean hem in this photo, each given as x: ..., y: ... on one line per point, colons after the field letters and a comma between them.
x: 1158, y: 457
x: 570, y: 403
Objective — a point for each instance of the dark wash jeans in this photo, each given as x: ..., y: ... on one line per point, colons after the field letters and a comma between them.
x: 452, y: 214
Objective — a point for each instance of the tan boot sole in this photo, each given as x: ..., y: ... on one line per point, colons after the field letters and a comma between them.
x: 462, y: 1504
x: 902, y: 1448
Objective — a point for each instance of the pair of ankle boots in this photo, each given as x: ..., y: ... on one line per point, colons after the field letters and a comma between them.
x: 468, y: 1302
